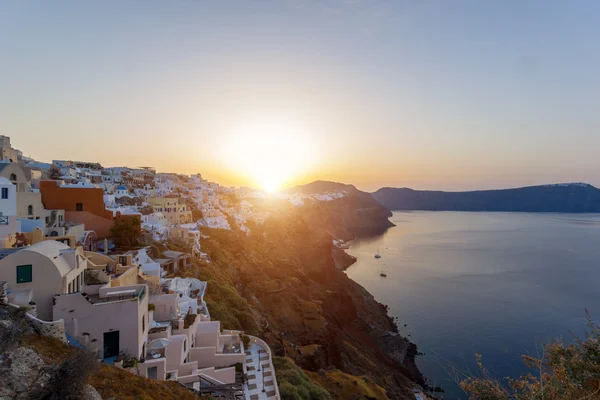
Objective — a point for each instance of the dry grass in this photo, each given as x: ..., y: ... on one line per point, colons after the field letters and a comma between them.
x: 114, y: 382
x: 347, y: 387
x: 51, y: 350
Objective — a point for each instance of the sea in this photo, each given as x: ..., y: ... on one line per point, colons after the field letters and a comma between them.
x: 495, y: 284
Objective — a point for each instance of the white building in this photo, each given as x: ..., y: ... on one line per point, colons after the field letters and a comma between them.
x: 9, y: 225
x: 38, y: 272
x: 121, y: 191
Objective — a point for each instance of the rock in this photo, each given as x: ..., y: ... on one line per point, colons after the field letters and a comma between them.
x: 21, y: 371
x: 91, y: 394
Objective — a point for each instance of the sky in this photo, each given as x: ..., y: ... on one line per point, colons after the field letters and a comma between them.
x: 451, y: 95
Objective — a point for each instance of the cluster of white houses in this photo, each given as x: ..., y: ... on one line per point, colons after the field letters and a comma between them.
x: 128, y: 308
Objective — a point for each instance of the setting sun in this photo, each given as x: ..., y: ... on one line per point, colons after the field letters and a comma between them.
x: 269, y: 154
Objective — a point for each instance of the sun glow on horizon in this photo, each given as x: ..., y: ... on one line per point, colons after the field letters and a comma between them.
x: 269, y: 154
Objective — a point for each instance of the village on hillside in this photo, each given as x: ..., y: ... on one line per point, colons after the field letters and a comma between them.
x: 66, y: 256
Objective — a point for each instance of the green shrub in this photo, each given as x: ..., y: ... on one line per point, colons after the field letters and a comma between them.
x: 294, y: 384
x: 564, y: 371
x: 246, y: 341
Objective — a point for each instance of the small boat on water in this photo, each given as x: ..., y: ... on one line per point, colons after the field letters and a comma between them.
x: 383, y: 274
x: 377, y: 255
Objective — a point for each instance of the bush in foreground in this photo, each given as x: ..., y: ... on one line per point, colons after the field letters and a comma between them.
x: 564, y: 371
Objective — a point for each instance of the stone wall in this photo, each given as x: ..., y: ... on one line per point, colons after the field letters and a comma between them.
x: 3, y: 293
x: 55, y: 329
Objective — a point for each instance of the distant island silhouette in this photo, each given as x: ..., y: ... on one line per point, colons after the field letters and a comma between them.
x: 562, y: 197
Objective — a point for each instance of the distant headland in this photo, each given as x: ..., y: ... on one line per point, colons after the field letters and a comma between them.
x: 562, y: 197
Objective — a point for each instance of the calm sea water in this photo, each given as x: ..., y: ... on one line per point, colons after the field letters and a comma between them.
x: 497, y: 284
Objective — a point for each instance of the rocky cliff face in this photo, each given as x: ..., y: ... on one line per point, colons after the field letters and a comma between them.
x: 25, y: 375
x: 356, y: 213
x: 303, y: 304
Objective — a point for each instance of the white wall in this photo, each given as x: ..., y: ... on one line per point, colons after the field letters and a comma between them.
x: 161, y: 365
x: 208, y: 357
x: 46, y: 279
x: 9, y: 206
x: 166, y: 307
x: 124, y: 316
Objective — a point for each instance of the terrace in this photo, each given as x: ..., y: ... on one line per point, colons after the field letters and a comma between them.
x: 262, y: 383
x: 119, y: 293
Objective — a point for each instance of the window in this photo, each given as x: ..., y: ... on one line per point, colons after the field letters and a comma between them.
x: 143, y: 323
x: 30, y: 210
x: 24, y: 273
x: 5, y: 193
x: 184, y: 345
x: 79, y: 207
x: 13, y: 177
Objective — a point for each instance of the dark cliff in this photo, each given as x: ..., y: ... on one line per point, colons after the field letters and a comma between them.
x: 568, y: 198
x: 283, y: 283
x: 356, y: 213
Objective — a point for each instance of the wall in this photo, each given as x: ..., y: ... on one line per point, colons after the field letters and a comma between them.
x: 207, y: 357
x: 161, y: 365
x: 175, y: 352
x: 9, y: 206
x: 130, y: 277
x: 26, y: 199
x: 91, y: 221
x: 59, y: 198
x: 78, y: 231
x: 99, y: 259
x: 166, y: 306
x: 207, y: 334
x: 7, y: 232
x: 55, y: 329
x: 225, y: 375
x: 187, y: 369
x: 81, y: 316
x: 46, y: 281
x: 30, y: 225
x: 6, y: 170
x: 260, y: 342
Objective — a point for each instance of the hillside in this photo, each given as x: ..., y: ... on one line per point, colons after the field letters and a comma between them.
x: 567, y: 198
x: 356, y: 213
x: 281, y: 283
x: 33, y: 366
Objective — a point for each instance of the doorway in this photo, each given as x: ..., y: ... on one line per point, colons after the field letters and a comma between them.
x: 153, y: 373
x: 111, y: 344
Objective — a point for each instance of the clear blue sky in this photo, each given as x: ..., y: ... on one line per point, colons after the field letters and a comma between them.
x: 425, y: 94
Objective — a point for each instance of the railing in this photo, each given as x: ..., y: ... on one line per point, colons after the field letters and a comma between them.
x: 263, y: 344
x: 141, y: 294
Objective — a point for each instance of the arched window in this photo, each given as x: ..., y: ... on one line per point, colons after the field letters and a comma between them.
x: 30, y: 210
x: 13, y: 177
x: 53, y: 233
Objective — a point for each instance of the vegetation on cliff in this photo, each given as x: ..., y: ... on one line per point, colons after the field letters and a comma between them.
x: 563, y: 371
x: 294, y: 384
x: 281, y: 283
